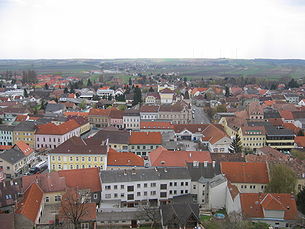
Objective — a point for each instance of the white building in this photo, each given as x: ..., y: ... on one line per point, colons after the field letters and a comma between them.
x: 105, y: 92
x: 136, y: 187
x: 131, y: 119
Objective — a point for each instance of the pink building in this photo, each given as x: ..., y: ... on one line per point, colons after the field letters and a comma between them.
x: 51, y: 135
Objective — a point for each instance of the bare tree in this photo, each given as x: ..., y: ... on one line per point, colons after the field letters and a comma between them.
x: 152, y: 214
x: 73, y: 208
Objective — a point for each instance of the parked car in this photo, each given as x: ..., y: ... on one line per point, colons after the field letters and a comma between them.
x: 38, y: 168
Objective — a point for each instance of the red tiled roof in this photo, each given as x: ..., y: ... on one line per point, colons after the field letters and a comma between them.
x: 82, y: 178
x: 52, y: 129
x: 292, y: 127
x: 84, y: 114
x: 213, y: 133
x: 4, y: 147
x: 246, y: 172
x: 156, y: 125
x: 149, y: 138
x: 102, y: 112
x: 123, y: 159
x: 30, y: 204
x: 163, y: 157
x: 252, y: 204
x: 21, y: 118
x: 25, y: 148
x: 166, y: 91
x: 194, y: 128
x: 300, y: 141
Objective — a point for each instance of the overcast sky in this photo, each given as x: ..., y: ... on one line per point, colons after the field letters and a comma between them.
x: 152, y: 28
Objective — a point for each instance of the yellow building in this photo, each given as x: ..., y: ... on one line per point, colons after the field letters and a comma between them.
x: 75, y: 153
x: 25, y: 131
x: 231, y: 125
x: 252, y: 137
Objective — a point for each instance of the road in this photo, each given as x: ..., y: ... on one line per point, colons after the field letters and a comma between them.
x: 200, y: 117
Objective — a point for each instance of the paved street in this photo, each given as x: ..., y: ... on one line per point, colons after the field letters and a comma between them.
x: 200, y: 117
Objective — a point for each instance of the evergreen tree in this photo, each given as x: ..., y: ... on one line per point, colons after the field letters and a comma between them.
x: 227, y: 93
x: 151, y: 89
x: 89, y: 84
x: 72, y: 90
x: 301, y: 201
x: 66, y: 91
x: 130, y: 81
x: 25, y: 93
x: 186, y: 95
x: 292, y: 84
x: 236, y: 146
x: 300, y: 133
x: 137, y: 97
x: 46, y: 86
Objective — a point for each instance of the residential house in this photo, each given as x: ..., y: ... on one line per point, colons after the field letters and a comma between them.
x: 164, y: 86
x: 189, y: 132
x: 178, y: 113
x: 6, y: 135
x: 83, y: 123
x: 76, y: 153
x: 208, y: 184
x: 50, y: 135
x: 138, y: 187
x: 255, y: 111
x: 216, y: 139
x: 99, y: 117
x: 15, y: 161
x: 131, y: 119
x: 252, y: 137
x: 10, y: 113
x: 9, y: 190
x: 55, y: 108
x: 166, y: 96
x: 162, y: 157
x: 117, y: 139
x: 105, y: 92
x: 248, y: 177
x: 149, y: 112
x: 25, y: 131
x: 141, y: 143
x: 153, y: 98
x: 292, y: 98
x: 123, y: 160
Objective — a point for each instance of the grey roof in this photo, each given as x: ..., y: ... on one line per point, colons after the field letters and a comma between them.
x: 270, y: 113
x: 9, y: 191
x: 131, y: 112
x: 197, y: 172
x: 25, y: 126
x: 52, y: 107
x: 114, y: 136
x: 121, y: 215
x: 273, y: 131
x: 132, y: 175
x: 6, y: 128
x: 179, y: 213
x: 219, y: 179
x: 12, y: 156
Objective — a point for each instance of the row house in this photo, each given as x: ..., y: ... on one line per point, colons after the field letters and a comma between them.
x: 84, y: 124
x: 153, y: 98
x: 116, y: 118
x: 50, y: 135
x: 178, y: 113
x: 248, y: 177
x: 252, y: 137
x: 131, y: 119
x: 141, y: 143
x: 208, y: 184
x: 76, y: 153
x: 99, y: 117
x: 15, y: 161
x: 6, y: 135
x: 116, y: 139
x: 25, y: 131
x: 148, y: 187
x: 149, y: 112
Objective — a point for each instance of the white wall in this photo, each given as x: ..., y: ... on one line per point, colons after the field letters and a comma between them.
x: 217, y: 196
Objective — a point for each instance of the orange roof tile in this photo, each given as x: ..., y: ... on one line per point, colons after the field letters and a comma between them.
x: 71, y: 113
x: 4, y: 147
x: 52, y: 129
x: 147, y: 138
x: 163, y: 157
x: 252, y: 204
x: 292, y: 127
x: 246, y: 172
x: 25, y: 148
x: 30, y: 204
x: 300, y: 141
x: 213, y: 133
x: 123, y: 159
x: 102, y: 112
x: 82, y: 178
x: 21, y: 118
x: 156, y: 125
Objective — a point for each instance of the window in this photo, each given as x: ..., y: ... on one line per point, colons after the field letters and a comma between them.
x: 138, y: 185
x: 95, y: 196
x: 47, y: 199
x: 71, y: 166
x: 163, y: 186
x: 170, y: 192
x: 153, y: 185
x: 186, y: 183
x: 57, y: 198
x: 181, y: 191
x: 175, y: 191
x: 83, y: 159
x: 153, y: 193
x: 138, y: 193
x: 175, y: 183
x: 182, y: 183
x: 76, y: 159
x: 194, y: 186
x: 130, y: 188
x: 84, y: 226
x: 163, y: 194
x: 145, y: 193
x: 115, y: 187
x: 186, y: 191
x: 122, y: 186
x: 71, y: 158
x: 170, y: 183
x: 107, y: 187
x: 130, y: 197
x: 145, y: 185
x: 107, y: 196
x: 122, y: 194
x: 115, y: 195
